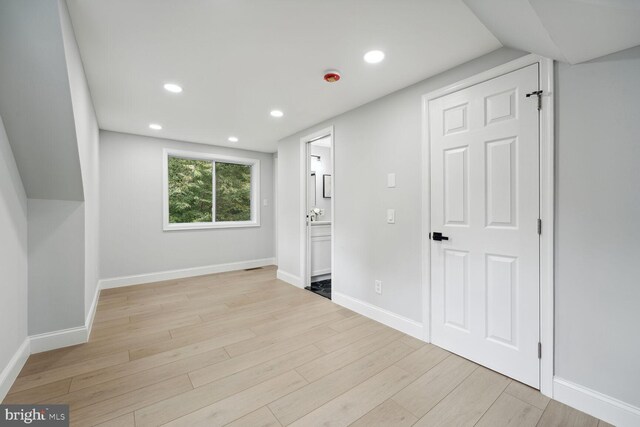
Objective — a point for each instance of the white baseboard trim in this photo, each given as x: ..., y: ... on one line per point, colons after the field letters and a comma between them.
x: 13, y: 368
x: 138, y: 279
x: 290, y: 278
x: 395, y: 321
x: 88, y: 323
x: 594, y: 403
x: 58, y: 339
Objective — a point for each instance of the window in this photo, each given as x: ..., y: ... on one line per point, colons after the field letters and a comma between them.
x: 210, y: 191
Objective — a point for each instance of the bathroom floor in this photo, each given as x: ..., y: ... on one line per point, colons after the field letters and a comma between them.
x: 322, y: 288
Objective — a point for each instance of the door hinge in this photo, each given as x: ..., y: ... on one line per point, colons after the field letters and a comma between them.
x: 539, y: 350
x: 537, y: 93
x: 539, y: 226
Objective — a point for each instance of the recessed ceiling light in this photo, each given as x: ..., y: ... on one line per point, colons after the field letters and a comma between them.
x: 233, y: 139
x: 374, y: 56
x: 172, y: 87
x: 155, y: 126
x: 277, y: 113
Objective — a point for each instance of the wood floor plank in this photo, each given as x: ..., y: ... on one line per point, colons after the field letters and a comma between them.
x: 413, y: 342
x: 508, y: 411
x: 131, y: 367
x: 423, y: 394
x: 348, y: 407
x: 342, y: 339
x: 349, y: 323
x: 279, y: 334
x: 337, y: 359
x: 247, y: 360
x: 129, y: 402
x: 242, y: 403
x: 170, y: 409
x: 110, y: 323
x: 259, y: 418
x: 126, y: 310
x: 528, y: 395
x: 465, y: 405
x: 83, y: 352
x: 310, y: 397
x: 423, y: 359
x: 130, y: 328
x: 150, y: 349
x: 125, y: 420
x: 79, y: 368
x: 219, y: 326
x: 170, y: 311
x: 40, y: 393
x: 317, y: 320
x: 243, y: 348
x: 122, y: 385
x: 387, y: 414
x: 560, y: 415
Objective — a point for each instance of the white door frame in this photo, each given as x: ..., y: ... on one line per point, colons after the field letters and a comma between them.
x: 546, y: 202
x: 305, y: 267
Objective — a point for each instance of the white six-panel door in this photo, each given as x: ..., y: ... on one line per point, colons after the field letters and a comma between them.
x: 485, y: 199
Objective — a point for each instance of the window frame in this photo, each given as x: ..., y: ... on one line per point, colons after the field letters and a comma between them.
x: 195, y: 155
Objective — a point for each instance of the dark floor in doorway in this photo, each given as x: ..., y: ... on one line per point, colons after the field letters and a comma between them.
x: 322, y: 288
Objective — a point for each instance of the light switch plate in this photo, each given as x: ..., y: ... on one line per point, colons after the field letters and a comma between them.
x: 391, y: 216
x: 391, y: 180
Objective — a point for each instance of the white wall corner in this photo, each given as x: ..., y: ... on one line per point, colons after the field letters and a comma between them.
x: 13, y: 368
x: 88, y: 324
x: 58, y: 339
x: 395, y: 321
x: 594, y: 403
x: 139, y: 279
x: 289, y: 278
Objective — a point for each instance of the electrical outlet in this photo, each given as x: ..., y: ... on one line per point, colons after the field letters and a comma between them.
x: 378, y: 286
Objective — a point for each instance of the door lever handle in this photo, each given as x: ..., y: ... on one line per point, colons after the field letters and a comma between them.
x: 437, y: 236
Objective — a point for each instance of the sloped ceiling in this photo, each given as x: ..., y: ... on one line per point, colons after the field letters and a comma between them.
x: 571, y: 31
x: 35, y: 100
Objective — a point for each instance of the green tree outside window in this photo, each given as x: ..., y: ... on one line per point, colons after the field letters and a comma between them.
x: 233, y: 192
x: 191, y: 191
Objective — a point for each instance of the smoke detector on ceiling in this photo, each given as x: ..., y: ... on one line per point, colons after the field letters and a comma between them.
x: 331, y: 76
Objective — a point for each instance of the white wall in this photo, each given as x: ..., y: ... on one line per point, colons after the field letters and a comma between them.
x: 13, y: 260
x: 56, y: 267
x: 369, y: 142
x: 87, y: 134
x: 132, y: 239
x: 35, y: 100
x: 54, y: 136
x: 598, y: 225
x: 597, y: 275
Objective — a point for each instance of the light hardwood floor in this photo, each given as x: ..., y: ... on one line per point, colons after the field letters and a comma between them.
x: 245, y: 349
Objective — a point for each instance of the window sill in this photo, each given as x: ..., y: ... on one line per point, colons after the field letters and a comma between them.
x: 205, y: 226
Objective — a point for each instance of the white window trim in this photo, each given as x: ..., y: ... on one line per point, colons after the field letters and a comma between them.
x: 194, y: 155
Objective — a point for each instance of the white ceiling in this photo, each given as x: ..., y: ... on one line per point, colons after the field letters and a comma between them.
x: 324, y: 142
x: 239, y: 59
x: 572, y: 31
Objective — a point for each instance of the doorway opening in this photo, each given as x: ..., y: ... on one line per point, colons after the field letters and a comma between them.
x: 318, y: 212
